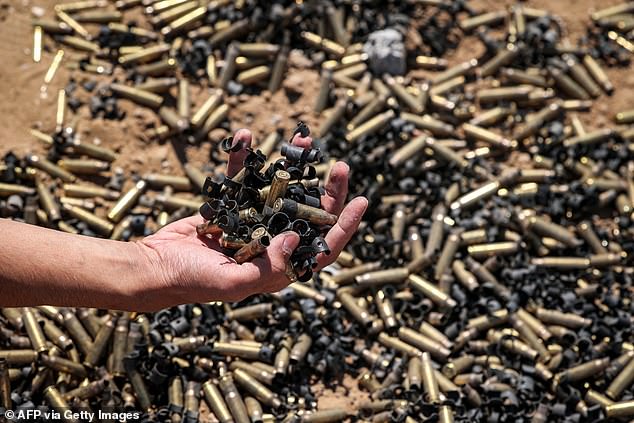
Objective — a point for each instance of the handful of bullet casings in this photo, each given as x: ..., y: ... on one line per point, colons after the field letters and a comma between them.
x: 246, y: 210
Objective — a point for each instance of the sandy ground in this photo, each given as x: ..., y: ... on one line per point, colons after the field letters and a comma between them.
x: 26, y: 103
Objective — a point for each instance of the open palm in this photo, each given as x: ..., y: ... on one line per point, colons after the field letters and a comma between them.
x: 195, y: 269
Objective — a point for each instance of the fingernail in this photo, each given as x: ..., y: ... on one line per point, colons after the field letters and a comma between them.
x: 289, y: 244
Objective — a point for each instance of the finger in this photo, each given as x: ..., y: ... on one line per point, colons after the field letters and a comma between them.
x: 266, y: 272
x: 305, y: 142
x: 336, y: 189
x: 346, y: 226
x: 236, y: 159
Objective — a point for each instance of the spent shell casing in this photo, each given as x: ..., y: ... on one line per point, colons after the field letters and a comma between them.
x: 127, y: 201
x: 257, y: 389
x: 216, y: 402
x: 102, y: 226
x: 622, y: 381
x: 620, y: 409
x: 34, y: 330
x: 424, y: 343
x: 48, y: 202
x: 234, y: 399
x: 253, y: 249
x: 598, y: 74
x: 50, y: 168
x: 142, y: 97
x: 430, y: 383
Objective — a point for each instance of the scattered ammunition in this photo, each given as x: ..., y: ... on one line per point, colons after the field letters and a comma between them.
x: 564, y: 319
x: 598, y: 74
x: 50, y: 168
x: 139, y: 96
x: 126, y: 202
x: 485, y: 19
x: 370, y: 126
x: 620, y: 409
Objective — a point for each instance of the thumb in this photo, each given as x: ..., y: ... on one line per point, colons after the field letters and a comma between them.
x: 281, y: 249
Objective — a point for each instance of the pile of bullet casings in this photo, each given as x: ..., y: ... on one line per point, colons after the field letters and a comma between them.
x: 491, y: 278
x: 245, y: 210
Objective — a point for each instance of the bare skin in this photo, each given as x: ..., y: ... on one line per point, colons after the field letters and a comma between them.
x: 173, y: 266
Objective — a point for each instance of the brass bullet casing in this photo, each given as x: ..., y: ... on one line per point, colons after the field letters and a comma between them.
x: 562, y: 262
x: 324, y: 91
x: 624, y: 117
x: 622, y: 381
x: 593, y: 137
x: 431, y: 332
x: 88, y: 191
x: 34, y: 330
x: 254, y: 248
x: 457, y: 70
x: 556, y: 317
x: 144, y: 55
x: 583, y: 371
x: 529, y: 336
x: 458, y: 366
x: 11, y: 189
x: 431, y: 63
x: 482, y: 134
x: 82, y: 339
x: 50, y: 168
x: 48, y: 202
x: 119, y: 340
x: 430, y: 384
x: 414, y: 377
x: 445, y: 414
x: 292, y: 208
x: 234, y: 349
x: 466, y: 278
x: 277, y: 190
x: 448, y: 86
x: 257, y: 389
x: 568, y: 85
x: 229, y: 68
x: 512, y: 344
x: 260, y: 371
x: 324, y: 44
x: 486, y: 19
x: 101, y: 342
x: 346, y: 276
x: 483, y: 192
x: 401, y: 93
x: 606, y: 259
x: 279, y: 66
x: 326, y: 416
x: 446, y: 256
x: 399, y: 345
x: 212, y: 102
x: 234, y: 399
x: 64, y: 365
x: 162, y: 67
x: 333, y: 115
x: 370, y: 126
x: 19, y: 357
x: 216, y: 402
x: 481, y: 251
x: 502, y: 58
x: 88, y: 317
x: 134, y: 30
x: 56, y: 336
x: 359, y: 313
x: 385, y: 309
x: 424, y: 343
x: 487, y: 321
x: 52, y: 27
x: 183, y: 19
x: 157, y: 85
x: 126, y: 202
x: 253, y: 75
x: 84, y: 166
x: 142, y: 97
x: 537, y: 121
x: 175, y: 121
x: 581, y: 75
x: 179, y: 183
x: 408, y: 151
x: 598, y: 74
x: 196, y: 177
x: 249, y: 313
x: 375, y: 106
x: 58, y: 403
x: 620, y: 409
x: 516, y: 93
x: 98, y: 16
x: 88, y: 391
x: 382, y: 277
x: 436, y: 126
x: 594, y: 397
x: 101, y: 226
x: 300, y: 348
x: 210, y: 228
x: 431, y: 291
x: 254, y: 409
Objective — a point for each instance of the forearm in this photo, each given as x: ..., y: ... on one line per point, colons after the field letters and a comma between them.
x: 41, y: 266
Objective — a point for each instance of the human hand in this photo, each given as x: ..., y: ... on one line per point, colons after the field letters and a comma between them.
x: 195, y: 269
